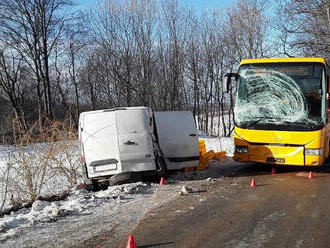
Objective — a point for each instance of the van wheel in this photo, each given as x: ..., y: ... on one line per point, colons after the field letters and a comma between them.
x: 90, y: 186
x: 125, y: 177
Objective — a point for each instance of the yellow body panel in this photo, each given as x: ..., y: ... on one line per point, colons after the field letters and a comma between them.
x: 282, y: 154
x: 283, y: 60
x: 284, y: 137
x: 281, y: 147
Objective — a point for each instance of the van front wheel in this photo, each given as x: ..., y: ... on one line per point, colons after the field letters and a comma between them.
x: 124, y: 177
x: 90, y: 186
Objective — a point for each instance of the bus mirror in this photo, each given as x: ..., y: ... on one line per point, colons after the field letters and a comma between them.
x: 227, y: 84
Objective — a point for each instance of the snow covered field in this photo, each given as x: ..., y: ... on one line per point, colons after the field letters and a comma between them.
x: 82, y: 205
x: 41, y: 170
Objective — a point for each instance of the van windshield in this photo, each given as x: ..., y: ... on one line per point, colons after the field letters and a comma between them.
x: 281, y: 96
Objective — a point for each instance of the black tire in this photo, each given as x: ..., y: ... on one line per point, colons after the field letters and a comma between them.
x: 90, y: 187
x: 125, y: 177
x: 89, y: 184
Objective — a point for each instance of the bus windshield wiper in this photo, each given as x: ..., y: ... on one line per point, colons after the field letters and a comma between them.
x: 261, y: 119
x: 301, y: 123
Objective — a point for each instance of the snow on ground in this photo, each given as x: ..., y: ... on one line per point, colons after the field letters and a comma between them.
x: 79, y: 202
x: 81, y: 208
x: 50, y: 175
x: 84, y: 215
x: 218, y: 144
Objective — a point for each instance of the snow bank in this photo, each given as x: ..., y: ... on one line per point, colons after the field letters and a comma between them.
x: 79, y: 202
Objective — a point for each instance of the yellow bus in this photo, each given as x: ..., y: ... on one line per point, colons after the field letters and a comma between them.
x: 281, y: 111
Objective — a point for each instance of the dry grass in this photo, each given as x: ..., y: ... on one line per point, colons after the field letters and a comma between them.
x: 39, y: 156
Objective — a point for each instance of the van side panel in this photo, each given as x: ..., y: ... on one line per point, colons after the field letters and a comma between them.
x: 134, y: 140
x: 99, y: 137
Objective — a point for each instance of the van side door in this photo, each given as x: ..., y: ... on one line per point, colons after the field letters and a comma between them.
x: 177, y: 137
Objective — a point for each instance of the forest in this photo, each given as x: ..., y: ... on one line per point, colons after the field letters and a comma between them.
x: 57, y: 60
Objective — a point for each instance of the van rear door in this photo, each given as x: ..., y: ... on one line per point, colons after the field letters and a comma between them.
x: 177, y: 137
x: 134, y: 140
x: 99, y: 143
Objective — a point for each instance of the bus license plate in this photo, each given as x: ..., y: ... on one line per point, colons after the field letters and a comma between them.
x: 273, y: 160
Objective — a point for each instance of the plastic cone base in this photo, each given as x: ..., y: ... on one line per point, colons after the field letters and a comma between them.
x: 162, y: 181
x: 131, y: 242
x: 253, y: 183
x: 310, y: 176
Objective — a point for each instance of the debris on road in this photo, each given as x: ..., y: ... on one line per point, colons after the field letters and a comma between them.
x: 120, y: 190
x: 210, y: 179
x: 186, y: 190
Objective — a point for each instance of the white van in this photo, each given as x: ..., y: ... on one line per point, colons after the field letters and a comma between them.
x: 121, y: 140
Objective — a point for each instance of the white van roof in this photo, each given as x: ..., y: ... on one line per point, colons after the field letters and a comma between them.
x: 113, y: 109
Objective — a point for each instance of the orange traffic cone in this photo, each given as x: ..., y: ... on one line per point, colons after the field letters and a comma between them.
x: 253, y: 183
x: 131, y: 243
x: 310, y: 176
x: 162, y: 181
x: 273, y: 171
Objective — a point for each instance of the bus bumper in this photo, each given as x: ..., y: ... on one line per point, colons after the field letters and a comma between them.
x: 279, y: 153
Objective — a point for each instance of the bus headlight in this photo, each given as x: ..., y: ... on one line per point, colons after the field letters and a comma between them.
x: 313, y: 152
x: 241, y: 149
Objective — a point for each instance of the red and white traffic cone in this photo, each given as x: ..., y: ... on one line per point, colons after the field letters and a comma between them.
x: 253, y: 183
x: 131, y: 242
x: 310, y: 176
x: 162, y: 181
x: 273, y: 171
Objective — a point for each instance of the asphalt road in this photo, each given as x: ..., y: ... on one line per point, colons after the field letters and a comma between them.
x: 284, y: 210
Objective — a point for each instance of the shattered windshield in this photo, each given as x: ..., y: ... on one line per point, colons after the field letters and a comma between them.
x: 280, y: 96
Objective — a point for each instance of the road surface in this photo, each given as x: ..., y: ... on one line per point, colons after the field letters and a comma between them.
x: 284, y: 210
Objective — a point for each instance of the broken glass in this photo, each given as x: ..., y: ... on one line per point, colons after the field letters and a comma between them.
x: 280, y: 94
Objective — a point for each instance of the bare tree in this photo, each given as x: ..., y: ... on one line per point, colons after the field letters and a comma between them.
x: 248, y: 27
x: 32, y: 28
x: 136, y: 52
x: 305, y: 25
x: 12, y: 77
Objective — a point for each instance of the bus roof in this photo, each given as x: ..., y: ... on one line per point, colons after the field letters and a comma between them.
x: 283, y: 60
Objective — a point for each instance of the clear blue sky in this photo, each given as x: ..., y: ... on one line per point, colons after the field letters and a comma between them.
x: 196, y: 4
